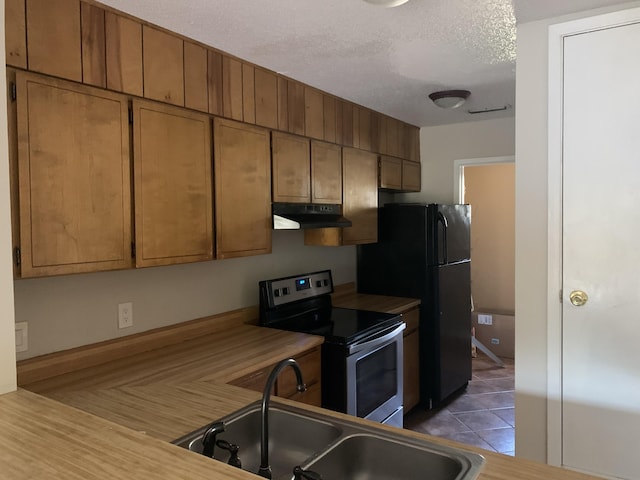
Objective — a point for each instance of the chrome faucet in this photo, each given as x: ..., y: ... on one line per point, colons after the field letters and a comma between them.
x: 265, y: 468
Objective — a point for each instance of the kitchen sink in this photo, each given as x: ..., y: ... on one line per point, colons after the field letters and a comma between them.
x: 293, y: 438
x: 374, y: 457
x: 335, y: 448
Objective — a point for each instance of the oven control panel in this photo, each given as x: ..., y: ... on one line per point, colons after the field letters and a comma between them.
x: 298, y: 287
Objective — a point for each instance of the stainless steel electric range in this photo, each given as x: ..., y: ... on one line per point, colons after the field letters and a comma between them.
x: 362, y: 352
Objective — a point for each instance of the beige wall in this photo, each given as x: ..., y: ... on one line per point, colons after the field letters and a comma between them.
x: 64, y: 312
x: 7, y: 336
x: 440, y: 146
x: 531, y: 235
x: 490, y: 189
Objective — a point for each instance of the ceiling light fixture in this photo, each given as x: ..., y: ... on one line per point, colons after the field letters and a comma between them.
x: 449, y: 98
x: 387, y: 3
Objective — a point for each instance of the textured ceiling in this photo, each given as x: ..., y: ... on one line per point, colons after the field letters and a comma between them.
x: 388, y: 59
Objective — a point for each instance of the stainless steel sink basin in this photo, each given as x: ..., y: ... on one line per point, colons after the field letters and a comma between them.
x: 335, y: 448
x: 293, y: 438
x: 373, y: 457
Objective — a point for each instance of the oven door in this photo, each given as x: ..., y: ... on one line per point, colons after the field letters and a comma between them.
x: 374, y: 377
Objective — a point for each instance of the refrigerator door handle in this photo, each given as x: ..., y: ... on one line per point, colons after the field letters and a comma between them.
x: 443, y: 220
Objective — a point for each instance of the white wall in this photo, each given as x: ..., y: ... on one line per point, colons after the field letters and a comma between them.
x: 531, y: 235
x: 440, y: 146
x: 7, y: 328
x: 64, y: 312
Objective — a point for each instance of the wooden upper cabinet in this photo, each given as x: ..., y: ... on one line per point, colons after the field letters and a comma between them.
x: 173, y: 194
x: 399, y: 174
x: 291, y: 168
x: 376, y: 121
x: 314, y: 113
x: 15, y: 29
x: 295, y: 107
x: 266, y: 98
x: 14, y: 189
x: 196, y: 90
x: 94, y: 62
x: 248, y: 93
x: 364, y: 127
x: 359, y: 203
x: 326, y: 173
x: 360, y: 196
x: 355, y: 124
x: 411, y: 176
x: 163, y: 63
x: 283, y: 104
x: 214, y: 81
x: 242, y: 189
x: 329, y: 106
x: 75, y: 205
x: 390, y: 173
x: 393, y: 142
x: 347, y: 124
x: 53, y: 38
x: 232, y: 88
x: 124, y: 54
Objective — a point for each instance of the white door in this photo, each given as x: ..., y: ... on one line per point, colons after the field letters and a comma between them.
x: 601, y: 252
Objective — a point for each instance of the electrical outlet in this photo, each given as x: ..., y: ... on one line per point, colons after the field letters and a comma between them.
x: 22, y: 343
x: 485, y: 319
x: 125, y: 315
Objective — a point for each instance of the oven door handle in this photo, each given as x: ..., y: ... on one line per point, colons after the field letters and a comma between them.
x: 377, y: 340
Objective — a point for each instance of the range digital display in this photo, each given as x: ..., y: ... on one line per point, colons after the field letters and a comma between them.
x: 303, y: 284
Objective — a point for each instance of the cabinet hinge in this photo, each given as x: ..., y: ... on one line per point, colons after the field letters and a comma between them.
x: 17, y: 256
x: 13, y: 93
x: 560, y: 297
x: 130, y: 116
x: 133, y: 250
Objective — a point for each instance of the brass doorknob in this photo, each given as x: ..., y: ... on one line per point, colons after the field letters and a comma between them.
x: 578, y: 298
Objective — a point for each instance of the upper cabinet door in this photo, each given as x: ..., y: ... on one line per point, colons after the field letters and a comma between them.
x: 74, y: 180
x: 326, y: 172
x: 291, y: 168
x: 15, y: 30
x: 390, y: 173
x: 172, y: 169
x: 360, y: 205
x: 53, y: 38
x: 163, y: 63
x: 411, y: 176
x: 243, y: 189
x: 123, y: 38
x: 94, y: 62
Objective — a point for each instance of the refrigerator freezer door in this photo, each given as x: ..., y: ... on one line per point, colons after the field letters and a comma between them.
x: 449, y: 236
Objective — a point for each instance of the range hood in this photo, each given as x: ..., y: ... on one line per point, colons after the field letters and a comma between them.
x: 296, y: 216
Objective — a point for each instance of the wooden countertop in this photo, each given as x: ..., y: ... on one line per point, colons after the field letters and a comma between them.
x: 346, y: 296
x: 222, y: 356
x: 126, y: 411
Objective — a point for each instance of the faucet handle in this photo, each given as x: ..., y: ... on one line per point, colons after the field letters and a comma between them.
x: 300, y: 474
x: 233, y: 449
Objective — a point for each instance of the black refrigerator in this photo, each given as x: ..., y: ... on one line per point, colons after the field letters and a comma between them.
x: 423, y: 251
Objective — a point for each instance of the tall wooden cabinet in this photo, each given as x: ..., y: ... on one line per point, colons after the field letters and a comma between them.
x: 74, y: 177
x: 173, y: 194
x: 242, y: 189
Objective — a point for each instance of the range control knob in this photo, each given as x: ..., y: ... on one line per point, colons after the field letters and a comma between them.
x: 285, y: 291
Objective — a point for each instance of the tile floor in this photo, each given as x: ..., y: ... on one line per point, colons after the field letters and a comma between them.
x: 483, y: 415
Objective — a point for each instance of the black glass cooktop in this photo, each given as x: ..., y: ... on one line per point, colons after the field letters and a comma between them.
x: 339, y: 325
